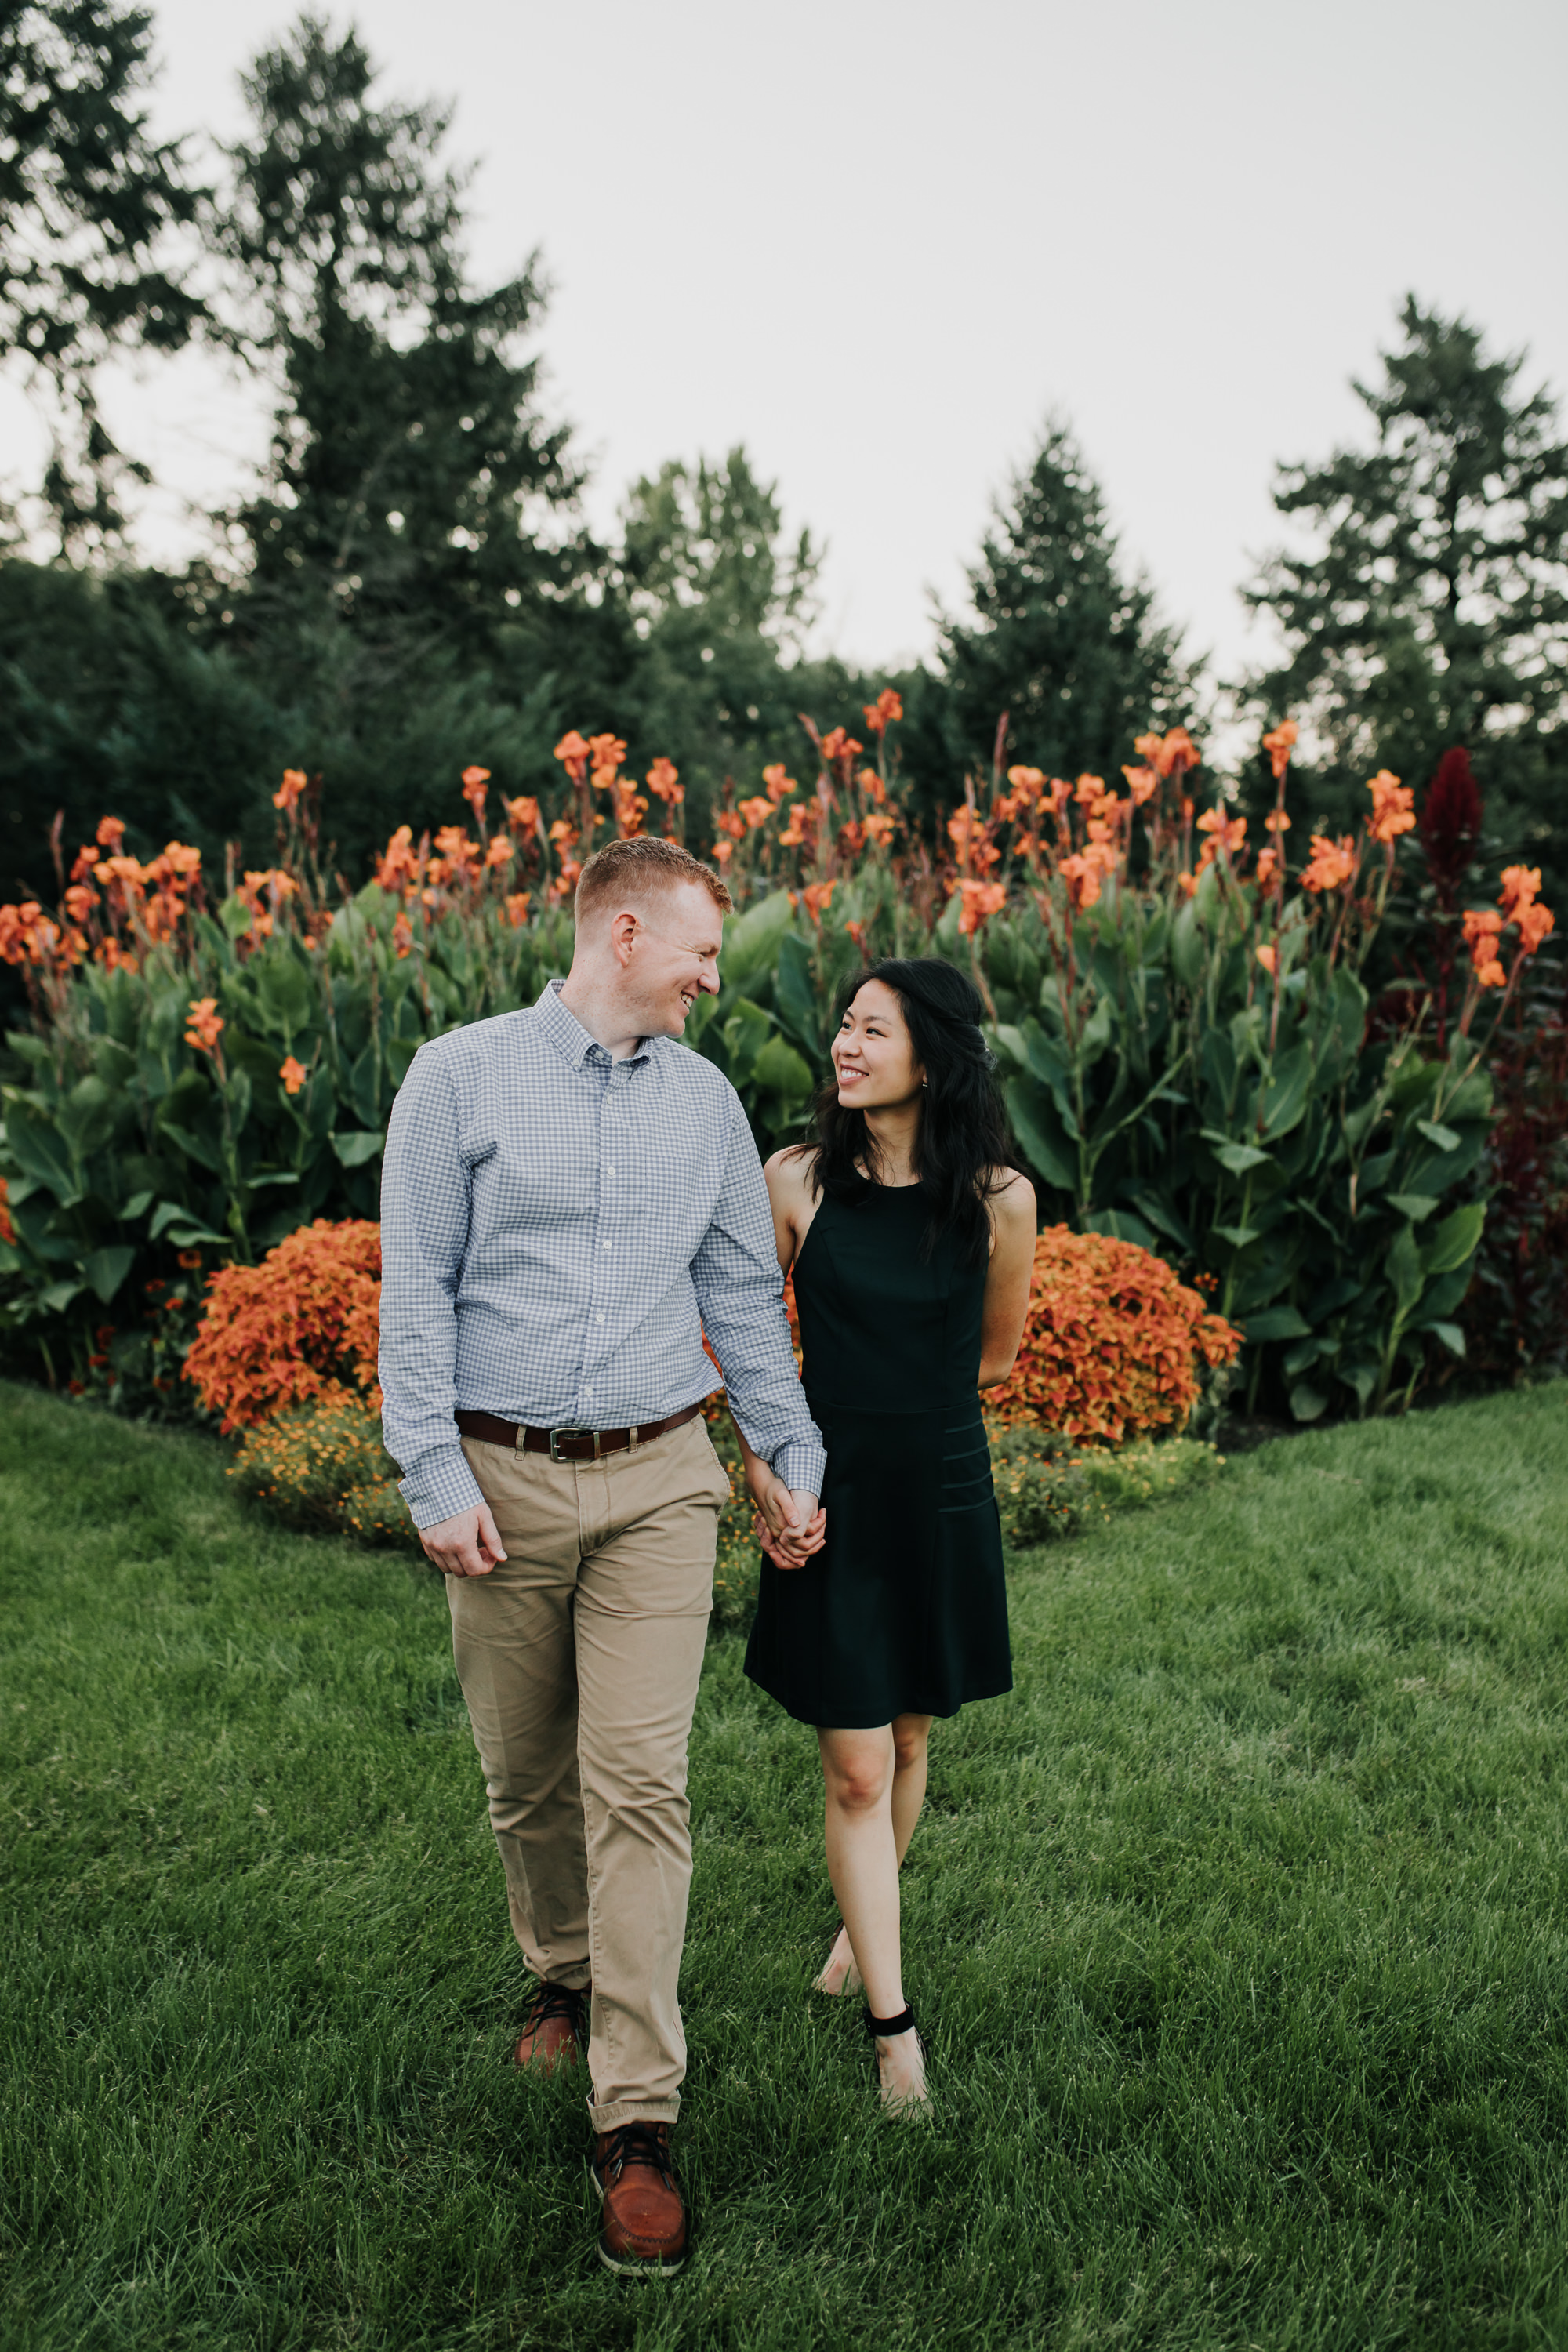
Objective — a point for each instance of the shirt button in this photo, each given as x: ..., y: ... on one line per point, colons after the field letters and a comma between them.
x: 598, y: 1318
x: 609, y: 1245
x: 609, y: 1172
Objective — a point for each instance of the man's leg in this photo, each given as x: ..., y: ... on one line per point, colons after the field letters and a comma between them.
x: 649, y: 1522
x: 513, y: 1643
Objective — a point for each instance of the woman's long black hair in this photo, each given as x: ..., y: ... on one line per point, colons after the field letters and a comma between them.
x: 963, y: 1146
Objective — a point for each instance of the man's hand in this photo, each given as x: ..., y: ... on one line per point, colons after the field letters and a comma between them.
x: 469, y: 1545
x: 789, y: 1526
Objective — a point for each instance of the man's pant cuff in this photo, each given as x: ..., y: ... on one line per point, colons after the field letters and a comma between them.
x: 633, y: 2111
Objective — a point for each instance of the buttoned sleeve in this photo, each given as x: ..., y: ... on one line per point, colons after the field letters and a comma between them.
x: 426, y: 1208
x: 739, y: 1293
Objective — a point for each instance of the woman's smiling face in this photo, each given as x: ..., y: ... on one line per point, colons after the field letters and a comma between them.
x: 873, y: 1058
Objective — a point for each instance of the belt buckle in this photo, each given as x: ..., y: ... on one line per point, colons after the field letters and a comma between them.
x: 554, y: 1433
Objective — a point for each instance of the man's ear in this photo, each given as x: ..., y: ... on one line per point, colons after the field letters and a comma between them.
x: 623, y: 931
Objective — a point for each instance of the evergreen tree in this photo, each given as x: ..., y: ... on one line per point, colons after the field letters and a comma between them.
x: 1062, y: 642
x: 397, y: 574
x: 720, y: 605
x: 1432, y: 610
x: 87, y: 200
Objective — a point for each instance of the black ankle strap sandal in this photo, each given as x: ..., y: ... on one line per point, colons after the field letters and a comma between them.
x: 885, y: 2028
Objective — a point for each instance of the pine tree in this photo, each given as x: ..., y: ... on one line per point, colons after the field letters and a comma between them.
x: 721, y: 604
x: 1433, y: 609
x: 1062, y: 642
x: 87, y: 203
x: 396, y: 574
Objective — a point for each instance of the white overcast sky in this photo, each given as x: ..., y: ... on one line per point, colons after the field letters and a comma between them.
x: 878, y: 244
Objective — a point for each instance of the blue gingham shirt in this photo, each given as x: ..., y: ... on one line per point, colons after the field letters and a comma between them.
x: 557, y: 1231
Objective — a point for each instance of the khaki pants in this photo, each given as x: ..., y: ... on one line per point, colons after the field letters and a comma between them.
x: 579, y: 1658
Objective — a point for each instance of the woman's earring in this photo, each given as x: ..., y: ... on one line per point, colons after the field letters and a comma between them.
x: 925, y: 1082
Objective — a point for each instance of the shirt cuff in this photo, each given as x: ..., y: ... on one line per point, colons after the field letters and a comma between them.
x: 802, y: 1464
x: 439, y: 1487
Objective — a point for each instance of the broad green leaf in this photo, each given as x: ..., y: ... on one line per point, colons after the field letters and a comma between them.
x: 1121, y: 1226
x: 137, y: 1206
x: 1455, y: 1239
x: 1278, y: 1323
x: 205, y: 1155
x: 795, y: 995
x: 234, y: 917
x: 1239, y: 1157
x: 1451, y: 1335
x: 1414, y: 1206
x: 355, y: 1150
x: 1443, y: 1137
x: 752, y: 941
x: 106, y: 1269
x: 286, y: 991
x: 35, y: 1141
x: 1238, y: 1236
x: 1307, y: 1403
x: 60, y: 1295
x: 1362, y: 1379
x: 1302, y: 1358
x: 783, y: 1071
x: 1031, y: 1125
x: 1405, y: 1271
x: 86, y: 1117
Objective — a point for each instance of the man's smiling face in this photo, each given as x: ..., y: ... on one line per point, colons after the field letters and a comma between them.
x: 675, y: 957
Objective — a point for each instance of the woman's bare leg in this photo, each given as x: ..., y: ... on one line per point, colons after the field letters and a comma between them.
x: 911, y: 1735
x: 863, y: 1863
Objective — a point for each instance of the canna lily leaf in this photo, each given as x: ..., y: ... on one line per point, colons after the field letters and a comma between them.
x: 1451, y: 1335
x: 106, y: 1269
x: 1278, y: 1323
x: 354, y: 1150
x: 1307, y: 1403
x: 1414, y: 1206
x: 1239, y: 1236
x: 1240, y: 1157
x: 1443, y: 1137
x: 1455, y: 1239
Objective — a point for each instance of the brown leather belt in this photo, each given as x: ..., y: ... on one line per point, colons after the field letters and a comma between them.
x: 567, y: 1445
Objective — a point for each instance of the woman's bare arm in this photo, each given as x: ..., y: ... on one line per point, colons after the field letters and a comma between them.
x: 1007, y: 1283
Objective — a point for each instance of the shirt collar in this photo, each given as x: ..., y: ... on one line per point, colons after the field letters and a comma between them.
x: 569, y: 1037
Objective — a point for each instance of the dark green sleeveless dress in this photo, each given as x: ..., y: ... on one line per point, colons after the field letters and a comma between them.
x: 904, y: 1610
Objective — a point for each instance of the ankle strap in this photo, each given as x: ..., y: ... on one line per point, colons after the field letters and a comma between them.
x: 885, y: 2028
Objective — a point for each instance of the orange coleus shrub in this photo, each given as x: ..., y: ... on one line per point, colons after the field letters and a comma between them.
x: 303, y: 1324
x: 1112, y: 1344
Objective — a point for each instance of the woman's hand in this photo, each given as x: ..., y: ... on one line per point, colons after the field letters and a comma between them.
x: 789, y: 1526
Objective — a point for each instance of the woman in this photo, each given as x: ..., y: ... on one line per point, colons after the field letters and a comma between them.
x: 912, y: 1243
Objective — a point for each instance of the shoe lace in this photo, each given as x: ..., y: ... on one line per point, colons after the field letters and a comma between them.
x: 555, y: 2001
x: 639, y: 2143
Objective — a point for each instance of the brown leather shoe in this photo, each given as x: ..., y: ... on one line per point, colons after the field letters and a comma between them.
x: 645, y: 2221
x: 554, y: 2028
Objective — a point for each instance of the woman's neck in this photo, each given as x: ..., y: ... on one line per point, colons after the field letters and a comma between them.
x: 894, y: 1137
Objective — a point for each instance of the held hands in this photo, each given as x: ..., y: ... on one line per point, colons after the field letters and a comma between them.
x: 789, y: 1526
x: 469, y: 1545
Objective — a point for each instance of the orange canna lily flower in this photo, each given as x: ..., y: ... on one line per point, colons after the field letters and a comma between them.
x: 885, y: 712
x: 663, y: 784
x: 839, y: 746
x: 1520, y: 885
x: 1392, y: 807
x: 205, y: 1023
x: 403, y: 936
x: 756, y: 812
x: 293, y: 1074
x: 474, y: 782
x: 878, y: 826
x: 1082, y: 877
x: 779, y: 784
x: 1142, y: 784
x: 516, y: 904
x: 500, y: 851
x: 817, y: 896
x: 723, y: 851
x: 1279, y: 742
x: 110, y: 833
x: 572, y: 753
x: 980, y: 901
x: 1332, y: 864
x: 522, y: 813
x: 1089, y: 788
x: 287, y: 797
x: 1269, y: 957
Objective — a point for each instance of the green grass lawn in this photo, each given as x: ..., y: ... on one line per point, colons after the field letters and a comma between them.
x: 1236, y: 1932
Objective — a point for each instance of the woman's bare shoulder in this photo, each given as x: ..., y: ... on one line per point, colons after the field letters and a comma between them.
x: 1012, y: 1197
x: 791, y: 1169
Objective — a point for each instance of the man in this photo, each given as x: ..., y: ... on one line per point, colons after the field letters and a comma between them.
x: 570, y: 1199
